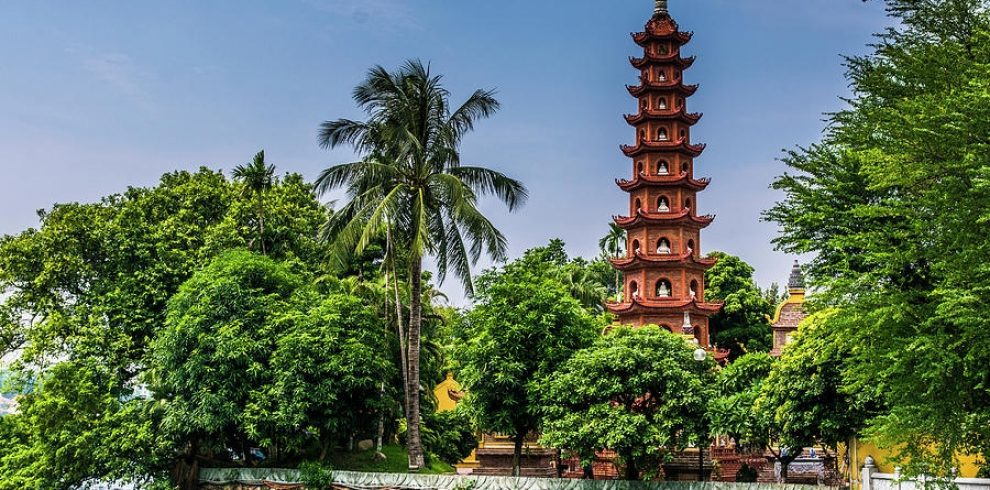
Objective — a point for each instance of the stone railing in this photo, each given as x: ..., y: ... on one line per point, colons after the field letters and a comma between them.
x: 874, y: 480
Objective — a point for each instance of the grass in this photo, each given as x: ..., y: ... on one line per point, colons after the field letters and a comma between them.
x: 396, y: 461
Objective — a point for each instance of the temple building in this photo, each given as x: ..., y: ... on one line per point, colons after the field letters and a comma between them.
x: 790, y: 313
x: 664, y: 271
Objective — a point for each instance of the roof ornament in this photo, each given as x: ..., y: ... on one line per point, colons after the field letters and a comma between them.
x: 797, y: 277
x: 661, y: 7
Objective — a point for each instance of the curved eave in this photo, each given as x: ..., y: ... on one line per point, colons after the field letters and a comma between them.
x: 644, y: 87
x: 640, y: 261
x: 681, y: 145
x: 683, y: 218
x: 645, y: 38
x: 672, y: 58
x: 641, y: 305
x: 643, y: 180
x: 689, y: 118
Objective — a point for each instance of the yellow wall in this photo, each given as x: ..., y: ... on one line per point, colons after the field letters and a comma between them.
x: 860, y: 449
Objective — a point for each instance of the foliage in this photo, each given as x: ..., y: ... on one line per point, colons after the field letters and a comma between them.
x: 524, y: 325
x: 86, y: 293
x: 733, y: 412
x: 741, y: 326
x: 805, y: 394
x: 893, y: 204
x: 411, y: 188
x: 316, y: 476
x: 638, y: 392
x: 450, y: 435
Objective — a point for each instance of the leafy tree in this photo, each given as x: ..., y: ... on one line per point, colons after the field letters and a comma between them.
x: 87, y: 291
x: 733, y: 412
x: 450, y: 435
x: 613, y: 246
x: 222, y: 326
x: 638, y: 392
x: 805, y: 396
x: 327, y: 372
x: 893, y: 203
x: 524, y: 325
x: 257, y: 178
x: 411, y: 188
x: 741, y: 326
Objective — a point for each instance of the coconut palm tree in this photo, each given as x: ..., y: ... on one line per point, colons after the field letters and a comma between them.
x: 257, y: 178
x: 612, y: 245
x: 411, y: 188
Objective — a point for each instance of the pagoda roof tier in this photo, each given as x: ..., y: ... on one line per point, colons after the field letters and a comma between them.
x: 644, y: 180
x: 680, y: 145
x: 682, y: 218
x: 652, y: 86
x: 640, y: 260
x: 644, y: 305
x: 661, y: 28
x: 670, y: 58
x: 689, y: 118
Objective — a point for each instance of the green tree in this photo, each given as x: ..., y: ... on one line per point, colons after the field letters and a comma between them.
x: 411, y: 188
x: 741, y: 326
x: 613, y: 246
x: 733, y: 412
x: 257, y: 178
x: 805, y: 396
x: 892, y: 204
x: 87, y: 292
x: 222, y: 326
x: 637, y: 392
x: 327, y: 371
x: 524, y: 325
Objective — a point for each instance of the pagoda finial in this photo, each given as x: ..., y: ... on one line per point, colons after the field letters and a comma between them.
x: 661, y: 7
x: 797, y: 277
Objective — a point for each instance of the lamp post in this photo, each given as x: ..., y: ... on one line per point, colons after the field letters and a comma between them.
x: 699, y: 356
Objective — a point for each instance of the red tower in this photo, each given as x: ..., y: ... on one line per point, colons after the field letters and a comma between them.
x: 664, y: 272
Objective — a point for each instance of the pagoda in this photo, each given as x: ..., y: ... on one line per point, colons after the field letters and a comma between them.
x: 664, y: 271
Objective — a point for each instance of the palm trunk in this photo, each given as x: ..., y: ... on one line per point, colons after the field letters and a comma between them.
x: 403, y: 352
x: 261, y: 225
x: 414, y: 443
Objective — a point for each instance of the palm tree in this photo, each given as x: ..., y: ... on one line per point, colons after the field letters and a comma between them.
x: 258, y: 178
x: 411, y: 188
x: 612, y: 245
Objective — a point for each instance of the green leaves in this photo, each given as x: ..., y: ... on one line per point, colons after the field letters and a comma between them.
x: 892, y: 203
x: 638, y: 392
x: 524, y: 325
x: 741, y: 326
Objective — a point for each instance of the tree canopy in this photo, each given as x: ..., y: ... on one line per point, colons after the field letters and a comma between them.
x: 638, y: 392
x: 524, y: 325
x: 892, y: 203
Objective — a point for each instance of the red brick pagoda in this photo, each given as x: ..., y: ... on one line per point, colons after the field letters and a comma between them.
x: 664, y: 272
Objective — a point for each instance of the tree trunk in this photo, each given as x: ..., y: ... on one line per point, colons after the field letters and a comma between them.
x: 414, y: 442
x: 403, y: 351
x: 632, y: 472
x: 261, y: 224
x: 381, y: 423
x: 785, y: 461
x: 517, y: 454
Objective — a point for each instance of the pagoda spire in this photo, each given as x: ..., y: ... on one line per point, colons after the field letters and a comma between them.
x: 664, y: 269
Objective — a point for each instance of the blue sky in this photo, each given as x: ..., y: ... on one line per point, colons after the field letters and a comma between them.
x: 99, y: 95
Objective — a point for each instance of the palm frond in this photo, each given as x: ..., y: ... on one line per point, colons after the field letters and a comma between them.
x: 485, y: 181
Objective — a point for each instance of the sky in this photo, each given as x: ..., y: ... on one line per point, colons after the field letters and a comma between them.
x: 100, y: 95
